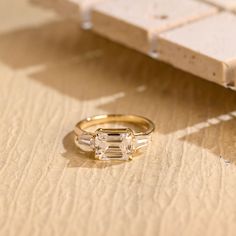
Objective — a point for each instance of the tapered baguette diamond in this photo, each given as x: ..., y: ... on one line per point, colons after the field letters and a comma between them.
x: 141, y: 141
x: 114, y: 144
x: 85, y: 142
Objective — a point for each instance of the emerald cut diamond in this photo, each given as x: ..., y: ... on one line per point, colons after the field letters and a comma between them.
x: 114, y: 144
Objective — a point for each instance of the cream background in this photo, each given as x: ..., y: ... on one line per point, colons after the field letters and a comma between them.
x: 51, y: 75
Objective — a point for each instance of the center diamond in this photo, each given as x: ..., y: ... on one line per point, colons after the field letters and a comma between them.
x: 114, y: 144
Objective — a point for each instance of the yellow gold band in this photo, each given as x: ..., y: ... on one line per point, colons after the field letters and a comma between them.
x: 144, y: 123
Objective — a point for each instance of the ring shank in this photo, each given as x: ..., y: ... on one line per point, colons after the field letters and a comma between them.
x: 144, y: 123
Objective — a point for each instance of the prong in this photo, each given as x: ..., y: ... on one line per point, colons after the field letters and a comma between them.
x: 130, y: 158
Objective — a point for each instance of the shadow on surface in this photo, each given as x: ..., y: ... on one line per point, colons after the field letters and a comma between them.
x: 87, y: 67
x: 219, y: 139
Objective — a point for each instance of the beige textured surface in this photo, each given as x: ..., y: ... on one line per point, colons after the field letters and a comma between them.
x: 52, y: 75
x: 225, y: 4
x: 65, y: 8
x: 205, y: 48
x: 76, y: 9
x: 16, y: 17
x: 136, y: 25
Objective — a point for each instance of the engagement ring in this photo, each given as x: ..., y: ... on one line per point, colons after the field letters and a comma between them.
x: 117, y: 137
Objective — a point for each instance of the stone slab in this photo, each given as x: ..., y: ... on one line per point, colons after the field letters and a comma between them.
x: 137, y: 25
x: 225, y: 4
x: 206, y: 48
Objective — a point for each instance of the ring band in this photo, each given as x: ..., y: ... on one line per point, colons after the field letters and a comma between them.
x: 114, y: 143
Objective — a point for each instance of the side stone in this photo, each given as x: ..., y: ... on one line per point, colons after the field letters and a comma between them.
x: 85, y: 142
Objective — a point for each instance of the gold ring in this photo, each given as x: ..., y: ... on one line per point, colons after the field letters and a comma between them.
x: 113, y: 143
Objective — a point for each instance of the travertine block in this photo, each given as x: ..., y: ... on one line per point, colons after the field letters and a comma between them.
x: 206, y: 48
x: 137, y: 25
x: 226, y: 4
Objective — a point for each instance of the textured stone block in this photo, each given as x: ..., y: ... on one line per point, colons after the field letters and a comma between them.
x: 226, y: 4
x: 137, y: 25
x: 206, y: 48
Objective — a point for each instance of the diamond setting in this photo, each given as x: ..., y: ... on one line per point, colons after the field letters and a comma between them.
x: 85, y: 142
x: 114, y: 144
